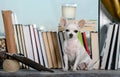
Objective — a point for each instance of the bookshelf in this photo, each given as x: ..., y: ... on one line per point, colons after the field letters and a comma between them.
x: 59, y: 73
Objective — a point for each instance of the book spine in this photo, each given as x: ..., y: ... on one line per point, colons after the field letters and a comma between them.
x: 114, y: 63
x: 118, y: 49
x: 27, y: 39
x: 34, y: 47
x: 9, y: 31
x: 105, y: 49
x: 112, y: 49
x: 16, y: 37
x: 80, y: 38
x: 60, y: 41
x: 95, y: 49
x: 47, y: 49
x: 57, y: 50
x: 50, y: 42
x: 38, y: 45
x: 23, y: 41
x: 19, y: 38
x: 85, y: 42
x: 43, y: 49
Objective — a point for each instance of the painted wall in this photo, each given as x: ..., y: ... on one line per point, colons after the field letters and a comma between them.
x: 46, y: 12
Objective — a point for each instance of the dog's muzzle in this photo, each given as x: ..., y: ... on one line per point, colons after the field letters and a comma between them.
x: 70, y: 35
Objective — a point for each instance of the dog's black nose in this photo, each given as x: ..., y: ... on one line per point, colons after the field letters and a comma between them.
x: 71, y: 35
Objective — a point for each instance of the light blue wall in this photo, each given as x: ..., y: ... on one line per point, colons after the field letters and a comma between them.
x: 46, y: 12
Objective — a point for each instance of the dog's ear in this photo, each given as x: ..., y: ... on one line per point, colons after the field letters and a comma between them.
x: 81, y: 23
x: 62, y: 22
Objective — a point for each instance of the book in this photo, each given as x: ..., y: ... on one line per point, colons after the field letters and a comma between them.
x: 105, y: 49
x: 43, y: 49
x: 57, y: 50
x: 22, y: 41
x: 61, y: 40
x: 52, y: 50
x: 112, y: 49
x: 80, y: 38
x: 47, y: 49
x: 85, y: 42
x: 28, y: 44
x: 118, y: 49
x: 17, y: 31
x: 115, y: 57
x: 16, y: 37
x: 38, y: 45
x: 95, y: 48
x: 34, y: 47
x: 9, y: 31
x: 22, y: 46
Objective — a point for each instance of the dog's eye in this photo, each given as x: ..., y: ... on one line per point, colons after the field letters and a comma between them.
x: 75, y: 31
x: 67, y: 30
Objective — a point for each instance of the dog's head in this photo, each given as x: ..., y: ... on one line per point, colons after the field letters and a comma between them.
x: 72, y: 29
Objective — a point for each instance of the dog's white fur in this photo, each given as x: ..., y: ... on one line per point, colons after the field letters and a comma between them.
x: 74, y: 53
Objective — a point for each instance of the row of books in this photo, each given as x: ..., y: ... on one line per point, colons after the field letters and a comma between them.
x: 42, y: 47
x: 110, y: 52
x: 45, y: 48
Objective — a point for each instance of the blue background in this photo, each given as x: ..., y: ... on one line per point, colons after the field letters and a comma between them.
x: 47, y: 13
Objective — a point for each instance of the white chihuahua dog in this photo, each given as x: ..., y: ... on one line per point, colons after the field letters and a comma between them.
x: 75, y: 55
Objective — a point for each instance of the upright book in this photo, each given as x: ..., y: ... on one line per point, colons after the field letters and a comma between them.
x: 9, y: 31
x: 47, y: 49
x: 105, y: 49
x: 113, y: 48
x: 95, y: 49
x: 52, y: 50
x: 57, y: 50
x: 61, y: 40
x: 38, y: 45
x: 28, y: 43
x: 43, y: 49
x: 34, y: 47
x: 85, y: 42
x: 118, y: 49
x: 80, y: 38
x: 115, y: 60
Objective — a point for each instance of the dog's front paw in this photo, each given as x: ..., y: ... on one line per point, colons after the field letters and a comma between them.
x: 74, y: 69
x: 65, y: 69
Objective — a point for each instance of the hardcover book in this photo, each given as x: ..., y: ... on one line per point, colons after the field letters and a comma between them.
x: 95, y: 49
x: 9, y: 31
